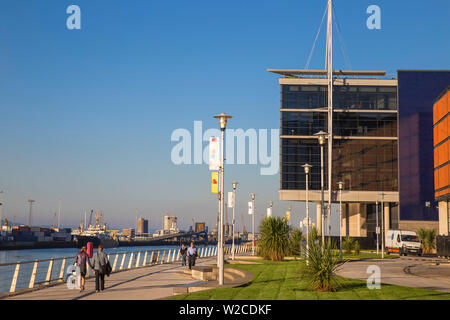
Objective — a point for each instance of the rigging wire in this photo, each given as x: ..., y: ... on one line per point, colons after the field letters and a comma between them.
x: 341, y: 42
x: 315, y: 40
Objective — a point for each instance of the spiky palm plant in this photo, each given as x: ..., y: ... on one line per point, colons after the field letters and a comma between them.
x: 274, y: 242
x: 295, y: 242
x: 347, y: 245
x: 323, y: 263
x: 428, y: 238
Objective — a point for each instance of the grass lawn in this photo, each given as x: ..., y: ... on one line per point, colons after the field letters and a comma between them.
x: 283, y: 281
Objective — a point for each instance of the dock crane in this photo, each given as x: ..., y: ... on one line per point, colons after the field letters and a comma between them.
x: 53, y: 221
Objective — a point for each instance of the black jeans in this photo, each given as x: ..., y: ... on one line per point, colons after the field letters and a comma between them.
x: 191, y: 261
x: 99, y: 281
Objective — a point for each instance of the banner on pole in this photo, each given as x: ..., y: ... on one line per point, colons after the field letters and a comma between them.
x: 269, y: 212
x: 214, y: 182
x: 214, y: 153
x: 288, y: 215
x: 230, y: 199
x: 250, y: 207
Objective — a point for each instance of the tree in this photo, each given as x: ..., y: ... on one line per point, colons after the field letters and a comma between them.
x: 274, y: 242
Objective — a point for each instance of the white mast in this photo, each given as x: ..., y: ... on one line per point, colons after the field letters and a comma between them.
x: 329, y: 56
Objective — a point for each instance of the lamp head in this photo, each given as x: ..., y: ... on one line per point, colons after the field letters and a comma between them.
x: 307, y: 168
x: 341, y: 185
x: 271, y: 203
x: 253, y: 196
x: 321, y: 135
x: 223, y: 119
x: 235, y: 183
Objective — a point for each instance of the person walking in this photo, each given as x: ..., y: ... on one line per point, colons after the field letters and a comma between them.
x: 192, y: 255
x: 183, y: 252
x: 100, y: 265
x: 81, y: 260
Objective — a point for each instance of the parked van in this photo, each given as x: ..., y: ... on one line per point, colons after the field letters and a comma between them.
x: 403, y: 242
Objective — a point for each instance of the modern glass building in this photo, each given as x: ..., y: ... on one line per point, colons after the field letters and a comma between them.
x: 364, y: 143
x: 417, y: 92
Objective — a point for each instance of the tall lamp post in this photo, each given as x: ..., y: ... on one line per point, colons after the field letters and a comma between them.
x: 341, y: 186
x: 223, y: 118
x: 382, y: 225
x: 253, y: 224
x: 321, y: 136
x: 307, y: 168
x: 234, y: 210
x: 377, y: 229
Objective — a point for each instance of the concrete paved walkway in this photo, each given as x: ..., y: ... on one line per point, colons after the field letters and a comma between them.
x: 146, y: 283
x: 418, y: 273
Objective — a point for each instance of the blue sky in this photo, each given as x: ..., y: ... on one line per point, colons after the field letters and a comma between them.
x: 86, y: 115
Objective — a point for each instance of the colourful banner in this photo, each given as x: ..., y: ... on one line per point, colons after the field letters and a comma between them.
x: 214, y: 154
x: 214, y: 182
x: 288, y: 215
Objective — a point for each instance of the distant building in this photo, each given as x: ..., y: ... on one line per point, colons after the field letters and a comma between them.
x: 170, y: 224
x: 200, y: 227
x: 441, y: 145
x: 128, y: 233
x: 142, y: 226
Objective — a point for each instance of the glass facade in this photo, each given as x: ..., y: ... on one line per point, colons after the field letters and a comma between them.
x: 417, y: 91
x: 365, y: 130
x: 344, y: 97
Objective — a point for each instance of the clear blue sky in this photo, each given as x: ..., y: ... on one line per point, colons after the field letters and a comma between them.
x: 86, y: 115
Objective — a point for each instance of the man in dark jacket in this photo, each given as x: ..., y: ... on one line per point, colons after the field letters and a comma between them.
x: 99, y: 263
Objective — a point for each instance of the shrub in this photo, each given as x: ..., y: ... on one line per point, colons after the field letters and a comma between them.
x: 347, y: 245
x: 356, y: 247
x: 323, y: 262
x: 295, y: 242
x: 274, y: 242
x: 428, y: 239
x: 313, y: 234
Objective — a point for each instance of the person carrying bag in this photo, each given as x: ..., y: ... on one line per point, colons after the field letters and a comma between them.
x: 101, y: 267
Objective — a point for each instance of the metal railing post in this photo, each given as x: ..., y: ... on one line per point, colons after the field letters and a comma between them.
x: 48, y: 278
x: 61, y: 272
x: 115, y: 262
x: 123, y: 260
x: 33, y: 274
x: 131, y: 260
x: 178, y: 256
x: 151, y: 257
x: 144, y: 263
x: 163, y: 257
x: 14, y: 279
x: 138, y: 259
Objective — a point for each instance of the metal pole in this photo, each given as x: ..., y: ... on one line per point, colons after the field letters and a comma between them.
x: 1, y: 211
x: 322, y: 195
x: 340, y: 223
x: 376, y: 229
x: 253, y: 224
x: 307, y: 220
x: 221, y: 270
x: 234, y: 215
x: 382, y: 226
x: 59, y: 213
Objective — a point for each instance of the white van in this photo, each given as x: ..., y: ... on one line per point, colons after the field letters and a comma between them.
x: 403, y: 242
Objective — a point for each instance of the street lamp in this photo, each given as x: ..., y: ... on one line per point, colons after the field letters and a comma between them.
x: 253, y: 224
x: 307, y: 168
x: 321, y: 136
x: 341, y: 186
x: 234, y: 209
x: 382, y: 225
x: 223, y: 119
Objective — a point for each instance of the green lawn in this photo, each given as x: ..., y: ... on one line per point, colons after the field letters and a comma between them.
x: 283, y: 281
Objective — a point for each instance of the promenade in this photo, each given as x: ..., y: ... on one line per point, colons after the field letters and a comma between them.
x: 146, y: 283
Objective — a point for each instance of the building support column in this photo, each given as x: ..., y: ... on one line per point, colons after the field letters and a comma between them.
x: 443, y: 218
x: 387, y: 216
x: 319, y: 218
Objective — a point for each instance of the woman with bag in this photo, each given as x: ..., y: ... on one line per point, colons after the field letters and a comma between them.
x: 101, y: 267
x: 81, y: 260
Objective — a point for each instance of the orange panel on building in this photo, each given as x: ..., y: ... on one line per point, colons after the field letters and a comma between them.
x: 441, y: 123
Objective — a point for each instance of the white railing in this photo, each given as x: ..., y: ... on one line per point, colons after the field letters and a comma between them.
x: 31, y: 274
